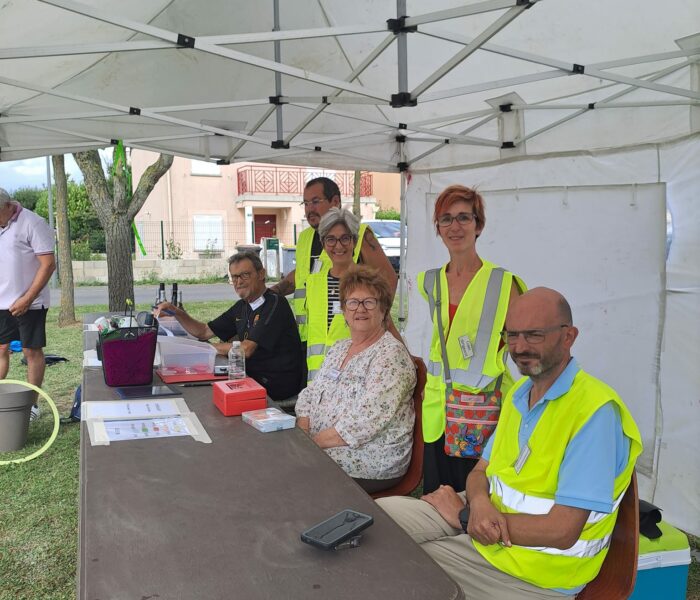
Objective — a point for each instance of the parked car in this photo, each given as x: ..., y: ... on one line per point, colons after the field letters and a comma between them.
x: 388, y: 233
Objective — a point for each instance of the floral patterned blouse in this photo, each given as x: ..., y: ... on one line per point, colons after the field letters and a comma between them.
x: 369, y: 403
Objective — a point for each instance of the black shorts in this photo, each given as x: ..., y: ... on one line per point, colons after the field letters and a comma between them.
x: 30, y: 328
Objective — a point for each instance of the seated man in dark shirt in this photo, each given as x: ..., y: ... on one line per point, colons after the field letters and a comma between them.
x: 264, y: 323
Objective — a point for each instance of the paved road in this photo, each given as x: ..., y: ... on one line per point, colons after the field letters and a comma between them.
x: 147, y: 293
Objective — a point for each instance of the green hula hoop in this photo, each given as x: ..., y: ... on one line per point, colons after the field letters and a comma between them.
x: 54, y: 433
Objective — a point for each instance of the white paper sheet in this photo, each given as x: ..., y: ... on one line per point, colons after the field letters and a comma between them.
x: 90, y: 359
x: 133, y: 409
x: 138, y: 429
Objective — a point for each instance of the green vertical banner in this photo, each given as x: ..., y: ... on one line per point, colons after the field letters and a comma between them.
x: 119, y: 166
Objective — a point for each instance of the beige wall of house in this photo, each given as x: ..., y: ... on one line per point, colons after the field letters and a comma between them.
x: 196, y: 210
x: 387, y: 190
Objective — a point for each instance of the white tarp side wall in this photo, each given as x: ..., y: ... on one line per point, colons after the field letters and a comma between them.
x: 679, y: 450
x: 603, y: 248
x: 613, y: 261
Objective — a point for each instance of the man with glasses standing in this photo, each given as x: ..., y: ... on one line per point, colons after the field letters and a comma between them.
x: 540, y: 506
x: 320, y: 195
x: 261, y: 320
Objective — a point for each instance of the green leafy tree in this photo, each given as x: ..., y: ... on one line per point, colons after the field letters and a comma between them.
x: 388, y: 214
x: 28, y: 196
x: 116, y: 208
x: 84, y: 224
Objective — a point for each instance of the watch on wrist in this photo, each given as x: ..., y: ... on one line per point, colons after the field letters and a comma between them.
x: 464, y: 518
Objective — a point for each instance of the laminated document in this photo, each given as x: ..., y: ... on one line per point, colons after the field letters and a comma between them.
x: 121, y: 420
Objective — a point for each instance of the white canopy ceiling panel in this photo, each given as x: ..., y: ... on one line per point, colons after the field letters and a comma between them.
x: 338, y: 70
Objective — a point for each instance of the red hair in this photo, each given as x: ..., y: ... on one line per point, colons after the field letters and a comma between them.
x: 455, y: 193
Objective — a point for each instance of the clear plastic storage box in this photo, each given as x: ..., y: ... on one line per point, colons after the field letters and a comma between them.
x: 180, y: 356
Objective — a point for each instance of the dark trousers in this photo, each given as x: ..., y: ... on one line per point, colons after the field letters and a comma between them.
x: 440, y: 469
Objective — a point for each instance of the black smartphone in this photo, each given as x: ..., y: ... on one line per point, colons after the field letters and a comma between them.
x: 339, y: 528
x: 145, y: 392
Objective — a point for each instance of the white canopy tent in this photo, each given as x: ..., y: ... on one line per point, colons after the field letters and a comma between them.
x: 578, y: 121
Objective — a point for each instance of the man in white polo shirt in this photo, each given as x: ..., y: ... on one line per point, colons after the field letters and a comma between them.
x: 26, y: 264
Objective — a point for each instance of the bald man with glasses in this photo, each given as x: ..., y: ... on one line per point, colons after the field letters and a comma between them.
x: 261, y: 320
x: 537, y: 516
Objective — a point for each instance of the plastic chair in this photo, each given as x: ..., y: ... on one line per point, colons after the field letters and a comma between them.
x: 616, y: 577
x: 414, y: 474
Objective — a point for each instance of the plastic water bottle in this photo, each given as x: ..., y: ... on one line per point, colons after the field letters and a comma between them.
x: 236, y: 361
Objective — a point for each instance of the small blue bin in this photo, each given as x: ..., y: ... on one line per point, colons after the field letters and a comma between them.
x: 662, y: 569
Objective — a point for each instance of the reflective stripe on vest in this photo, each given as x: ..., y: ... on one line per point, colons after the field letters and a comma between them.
x: 473, y: 376
x: 300, y: 293
x: 301, y: 319
x: 581, y: 549
x: 534, y: 505
x: 315, y: 350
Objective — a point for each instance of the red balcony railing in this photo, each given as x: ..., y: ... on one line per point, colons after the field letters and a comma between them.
x: 286, y: 181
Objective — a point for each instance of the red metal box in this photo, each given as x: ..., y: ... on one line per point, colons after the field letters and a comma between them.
x: 239, y: 395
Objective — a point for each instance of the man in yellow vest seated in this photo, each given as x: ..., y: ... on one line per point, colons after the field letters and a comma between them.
x: 540, y: 505
x: 320, y: 195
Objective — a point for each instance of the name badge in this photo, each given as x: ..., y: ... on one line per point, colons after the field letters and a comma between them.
x: 522, y: 459
x: 336, y: 307
x: 465, y: 345
x: 333, y: 374
x: 317, y: 266
x: 256, y: 304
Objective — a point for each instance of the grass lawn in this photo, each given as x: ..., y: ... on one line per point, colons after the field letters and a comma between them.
x: 39, y: 499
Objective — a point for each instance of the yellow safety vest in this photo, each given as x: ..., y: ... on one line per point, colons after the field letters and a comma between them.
x: 532, y: 490
x: 321, y: 337
x: 480, y: 316
x: 302, y: 272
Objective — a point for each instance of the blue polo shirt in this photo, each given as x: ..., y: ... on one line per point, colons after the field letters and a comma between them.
x: 593, y: 458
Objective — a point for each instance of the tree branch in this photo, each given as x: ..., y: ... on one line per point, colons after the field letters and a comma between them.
x: 96, y: 184
x: 147, y: 182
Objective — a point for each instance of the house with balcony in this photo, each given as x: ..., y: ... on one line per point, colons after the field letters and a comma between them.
x: 204, y: 210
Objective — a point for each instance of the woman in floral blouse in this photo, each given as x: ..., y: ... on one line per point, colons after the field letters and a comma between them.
x: 359, y: 407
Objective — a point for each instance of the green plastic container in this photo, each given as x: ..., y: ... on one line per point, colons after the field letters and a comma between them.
x: 662, y: 570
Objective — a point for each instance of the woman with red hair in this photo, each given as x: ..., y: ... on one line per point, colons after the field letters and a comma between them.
x: 468, y: 299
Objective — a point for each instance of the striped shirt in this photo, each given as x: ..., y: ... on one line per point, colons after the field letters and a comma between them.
x: 333, y: 297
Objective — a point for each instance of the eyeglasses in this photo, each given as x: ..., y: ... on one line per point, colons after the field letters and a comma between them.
x: 462, y: 218
x: 532, y: 336
x: 344, y: 239
x: 245, y: 276
x: 313, y: 201
x: 353, y: 304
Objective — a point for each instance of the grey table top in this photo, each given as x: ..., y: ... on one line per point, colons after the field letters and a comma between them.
x: 176, y: 518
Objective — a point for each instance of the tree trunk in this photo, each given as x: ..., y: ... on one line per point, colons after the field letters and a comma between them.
x: 356, y: 195
x: 116, y: 212
x: 120, y: 271
x: 65, y: 272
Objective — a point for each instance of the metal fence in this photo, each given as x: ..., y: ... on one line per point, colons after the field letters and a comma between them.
x: 291, y: 181
x: 198, y: 239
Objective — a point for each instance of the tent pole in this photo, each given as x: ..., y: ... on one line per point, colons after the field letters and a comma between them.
x: 402, y: 255
x: 402, y: 49
x: 278, y: 75
x: 49, y: 188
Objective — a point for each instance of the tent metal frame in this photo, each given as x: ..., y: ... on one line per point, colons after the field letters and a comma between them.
x: 348, y: 91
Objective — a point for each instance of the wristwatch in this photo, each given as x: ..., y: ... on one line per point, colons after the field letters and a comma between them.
x: 464, y: 518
